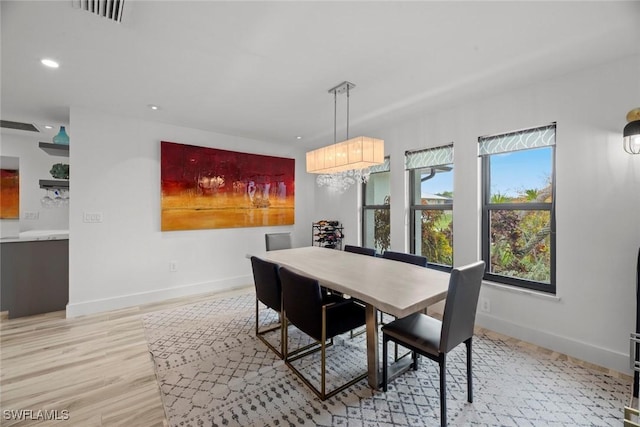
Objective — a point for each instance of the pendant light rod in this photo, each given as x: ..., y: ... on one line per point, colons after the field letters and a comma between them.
x: 335, y: 116
x: 344, y: 87
x: 347, y: 111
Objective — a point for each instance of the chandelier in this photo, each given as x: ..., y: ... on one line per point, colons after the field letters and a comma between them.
x: 345, y: 163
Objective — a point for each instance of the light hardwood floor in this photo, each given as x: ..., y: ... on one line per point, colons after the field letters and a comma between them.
x: 98, y: 367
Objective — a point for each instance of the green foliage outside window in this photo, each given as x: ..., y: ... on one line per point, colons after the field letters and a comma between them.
x: 382, y: 227
x: 437, y: 236
x: 521, y: 239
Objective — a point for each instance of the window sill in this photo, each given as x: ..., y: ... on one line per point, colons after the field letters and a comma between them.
x: 516, y: 290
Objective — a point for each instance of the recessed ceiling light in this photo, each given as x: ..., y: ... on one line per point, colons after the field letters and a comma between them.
x: 298, y: 137
x: 48, y: 127
x: 153, y: 107
x: 49, y: 63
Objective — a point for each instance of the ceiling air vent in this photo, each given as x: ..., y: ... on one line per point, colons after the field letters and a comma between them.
x: 110, y: 9
x: 18, y: 126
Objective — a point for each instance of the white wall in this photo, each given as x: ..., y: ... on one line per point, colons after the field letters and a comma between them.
x: 124, y: 260
x: 35, y: 165
x: 598, y: 204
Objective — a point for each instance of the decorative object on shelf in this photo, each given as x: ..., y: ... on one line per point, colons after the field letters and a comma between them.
x: 345, y: 163
x: 631, y: 134
x: 61, y: 138
x: 55, y: 198
x: 60, y: 171
x: 327, y: 234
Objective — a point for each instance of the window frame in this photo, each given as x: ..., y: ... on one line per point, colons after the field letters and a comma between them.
x: 414, y: 208
x: 366, y: 207
x: 487, y: 207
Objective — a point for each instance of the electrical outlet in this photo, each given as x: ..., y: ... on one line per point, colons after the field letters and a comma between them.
x: 485, y: 305
x: 173, y: 266
x: 92, y: 217
x: 31, y: 215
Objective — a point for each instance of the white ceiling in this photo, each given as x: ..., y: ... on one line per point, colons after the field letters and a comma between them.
x: 262, y: 69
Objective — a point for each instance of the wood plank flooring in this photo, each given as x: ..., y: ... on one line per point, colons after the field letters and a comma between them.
x: 98, y: 367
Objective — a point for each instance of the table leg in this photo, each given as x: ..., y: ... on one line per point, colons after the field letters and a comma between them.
x: 373, y: 359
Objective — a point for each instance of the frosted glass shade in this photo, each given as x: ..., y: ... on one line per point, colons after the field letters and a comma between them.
x: 356, y: 153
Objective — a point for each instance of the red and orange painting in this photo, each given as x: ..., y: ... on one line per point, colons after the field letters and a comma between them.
x: 9, y: 194
x: 212, y: 188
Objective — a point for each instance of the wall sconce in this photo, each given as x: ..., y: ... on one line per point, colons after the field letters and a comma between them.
x: 631, y: 134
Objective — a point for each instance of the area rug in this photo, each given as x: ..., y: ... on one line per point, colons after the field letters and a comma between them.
x: 212, y: 371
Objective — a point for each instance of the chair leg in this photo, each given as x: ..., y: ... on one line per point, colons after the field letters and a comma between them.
x: 257, y: 322
x: 285, y: 336
x: 469, y: 376
x: 385, y: 340
x: 323, y: 352
x: 443, y: 390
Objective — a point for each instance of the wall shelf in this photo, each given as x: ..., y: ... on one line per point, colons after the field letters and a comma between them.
x: 55, y: 149
x: 53, y: 184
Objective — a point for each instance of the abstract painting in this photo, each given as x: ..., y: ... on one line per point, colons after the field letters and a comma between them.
x: 9, y: 194
x: 212, y: 188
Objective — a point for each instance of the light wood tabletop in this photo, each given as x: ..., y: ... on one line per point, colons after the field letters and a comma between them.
x: 390, y: 286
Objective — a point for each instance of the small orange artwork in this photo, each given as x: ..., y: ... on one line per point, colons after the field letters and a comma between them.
x: 9, y: 194
x: 212, y: 188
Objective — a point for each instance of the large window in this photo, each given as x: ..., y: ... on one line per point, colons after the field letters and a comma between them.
x: 376, y: 224
x: 431, y: 199
x: 518, y: 220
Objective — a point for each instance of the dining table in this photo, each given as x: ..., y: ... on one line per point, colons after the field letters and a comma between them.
x: 393, y: 287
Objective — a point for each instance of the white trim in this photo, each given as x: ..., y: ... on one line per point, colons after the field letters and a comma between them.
x: 581, y: 350
x: 124, y: 301
x: 518, y: 290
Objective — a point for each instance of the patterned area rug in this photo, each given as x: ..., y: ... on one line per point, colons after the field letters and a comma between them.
x: 212, y: 371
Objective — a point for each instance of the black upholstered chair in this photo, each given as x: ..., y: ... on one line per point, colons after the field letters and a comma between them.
x: 277, y: 241
x: 360, y: 250
x: 408, y: 258
x: 268, y: 291
x: 322, y: 317
x: 433, y: 338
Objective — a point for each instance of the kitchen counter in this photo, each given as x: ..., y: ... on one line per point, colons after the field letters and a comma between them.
x: 34, y: 274
x: 32, y: 235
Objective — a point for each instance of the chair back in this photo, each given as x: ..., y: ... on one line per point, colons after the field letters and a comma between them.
x: 276, y: 241
x: 459, y: 315
x: 302, y: 302
x: 408, y: 258
x: 267, y: 282
x: 360, y: 250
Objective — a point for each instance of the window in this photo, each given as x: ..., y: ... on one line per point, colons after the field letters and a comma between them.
x: 518, y: 216
x: 376, y: 224
x: 431, y: 199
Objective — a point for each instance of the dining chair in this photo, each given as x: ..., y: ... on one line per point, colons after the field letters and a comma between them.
x: 277, y: 241
x: 322, y: 317
x: 408, y: 258
x: 360, y: 250
x: 268, y: 291
x: 433, y: 338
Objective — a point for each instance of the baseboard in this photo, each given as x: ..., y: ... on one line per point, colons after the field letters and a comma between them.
x: 587, y: 352
x: 129, y: 300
